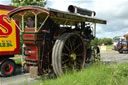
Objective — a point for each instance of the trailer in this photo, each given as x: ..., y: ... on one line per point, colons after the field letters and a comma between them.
x: 56, y: 41
x: 9, y: 42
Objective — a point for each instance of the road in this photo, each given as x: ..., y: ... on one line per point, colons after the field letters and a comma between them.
x: 24, y: 79
x: 18, y: 79
x: 113, y: 57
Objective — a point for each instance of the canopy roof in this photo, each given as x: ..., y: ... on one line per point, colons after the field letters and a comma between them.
x: 59, y: 17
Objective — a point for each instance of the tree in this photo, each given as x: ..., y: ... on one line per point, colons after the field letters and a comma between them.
x: 95, y: 42
x: 18, y: 3
x: 100, y: 41
x: 127, y: 37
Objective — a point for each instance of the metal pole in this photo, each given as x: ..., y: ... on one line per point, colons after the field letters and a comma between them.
x: 23, y: 56
x: 95, y: 29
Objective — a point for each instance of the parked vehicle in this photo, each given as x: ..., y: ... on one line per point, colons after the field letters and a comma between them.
x: 116, y: 40
x: 123, y: 44
x: 9, y: 42
x: 57, y: 41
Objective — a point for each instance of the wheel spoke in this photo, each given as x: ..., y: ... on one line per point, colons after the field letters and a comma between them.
x: 80, y: 54
x: 64, y: 67
x: 65, y: 61
x: 65, y: 54
x: 75, y: 65
x: 79, y: 51
x: 74, y: 43
x: 66, y: 47
x: 69, y: 41
x: 79, y: 61
x: 76, y: 47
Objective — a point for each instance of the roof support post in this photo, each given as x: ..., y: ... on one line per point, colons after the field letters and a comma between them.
x: 35, y: 22
x: 43, y: 22
x: 95, y: 29
x: 22, y: 23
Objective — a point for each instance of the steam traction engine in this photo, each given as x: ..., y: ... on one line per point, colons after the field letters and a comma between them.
x: 58, y: 41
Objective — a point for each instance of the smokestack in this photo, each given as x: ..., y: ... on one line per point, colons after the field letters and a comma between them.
x: 75, y: 9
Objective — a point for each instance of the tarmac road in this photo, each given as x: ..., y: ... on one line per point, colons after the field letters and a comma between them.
x: 19, y: 78
x: 113, y: 57
x: 24, y: 79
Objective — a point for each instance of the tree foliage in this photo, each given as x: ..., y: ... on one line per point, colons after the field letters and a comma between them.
x: 106, y: 41
x: 95, y: 42
x: 18, y: 3
x: 127, y: 37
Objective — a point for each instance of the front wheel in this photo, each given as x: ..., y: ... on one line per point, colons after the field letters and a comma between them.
x: 68, y: 53
x: 120, y: 51
x: 95, y: 54
x: 8, y: 68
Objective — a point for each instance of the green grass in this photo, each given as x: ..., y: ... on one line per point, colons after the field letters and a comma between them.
x: 97, y: 74
x: 17, y: 60
x: 110, y: 47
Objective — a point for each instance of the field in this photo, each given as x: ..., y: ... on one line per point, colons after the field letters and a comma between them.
x: 110, y: 47
x: 97, y: 74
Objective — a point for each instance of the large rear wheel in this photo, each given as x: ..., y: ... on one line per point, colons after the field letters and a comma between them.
x: 68, y: 53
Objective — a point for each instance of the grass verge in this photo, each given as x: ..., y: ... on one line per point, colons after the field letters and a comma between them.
x: 97, y: 74
x: 110, y: 47
x: 17, y: 60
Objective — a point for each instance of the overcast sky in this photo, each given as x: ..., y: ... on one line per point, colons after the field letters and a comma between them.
x: 114, y: 11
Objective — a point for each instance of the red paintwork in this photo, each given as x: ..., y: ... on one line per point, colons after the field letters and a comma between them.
x: 29, y: 29
x: 32, y: 52
x: 8, y: 68
x: 29, y: 36
x: 9, y: 28
x: 17, y: 50
x: 6, y: 26
x: 4, y: 7
x: 18, y: 10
